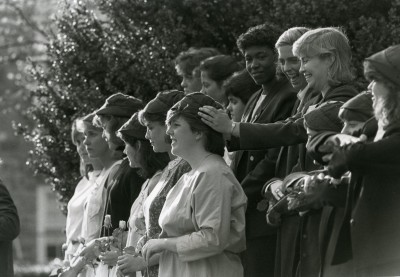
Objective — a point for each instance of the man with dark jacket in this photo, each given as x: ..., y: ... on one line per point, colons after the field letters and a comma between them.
x: 9, y: 230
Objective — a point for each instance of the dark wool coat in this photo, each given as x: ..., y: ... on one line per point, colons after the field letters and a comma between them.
x: 254, y: 168
x: 373, y: 205
x: 314, y: 226
x: 288, y: 133
x: 9, y: 230
x: 288, y: 231
x: 258, y: 136
x: 335, y: 240
x: 123, y: 188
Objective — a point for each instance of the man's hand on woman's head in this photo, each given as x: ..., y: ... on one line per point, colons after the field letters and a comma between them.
x: 217, y: 119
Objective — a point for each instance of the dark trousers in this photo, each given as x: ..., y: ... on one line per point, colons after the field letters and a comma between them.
x: 259, y: 258
x: 287, y: 251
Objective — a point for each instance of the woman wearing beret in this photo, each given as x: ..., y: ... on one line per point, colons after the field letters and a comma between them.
x: 153, y: 117
x: 374, y: 192
x: 150, y: 164
x: 203, y: 219
x: 97, y: 147
x: 125, y: 185
x: 92, y: 218
x: 356, y: 112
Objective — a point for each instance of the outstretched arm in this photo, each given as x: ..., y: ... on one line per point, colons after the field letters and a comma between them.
x: 257, y: 136
x: 366, y: 157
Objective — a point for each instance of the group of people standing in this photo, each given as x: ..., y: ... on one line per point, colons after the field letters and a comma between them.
x: 281, y: 168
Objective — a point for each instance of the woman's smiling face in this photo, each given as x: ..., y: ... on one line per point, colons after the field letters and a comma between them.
x: 315, y: 70
x: 290, y: 66
x: 182, y: 136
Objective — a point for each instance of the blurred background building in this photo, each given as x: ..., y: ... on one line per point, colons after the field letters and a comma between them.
x: 42, y: 223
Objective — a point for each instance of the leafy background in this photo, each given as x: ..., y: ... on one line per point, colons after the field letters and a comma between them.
x: 69, y: 61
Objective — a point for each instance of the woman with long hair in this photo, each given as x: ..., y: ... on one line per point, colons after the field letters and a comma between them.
x: 153, y: 117
x: 122, y: 186
x: 141, y: 155
x: 92, y: 218
x: 90, y: 169
x: 373, y: 195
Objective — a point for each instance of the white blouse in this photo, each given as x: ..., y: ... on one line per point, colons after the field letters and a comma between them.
x: 76, y: 207
x: 205, y: 211
x: 95, y: 206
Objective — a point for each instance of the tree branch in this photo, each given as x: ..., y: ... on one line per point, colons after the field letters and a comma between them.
x: 30, y: 23
x: 20, y: 44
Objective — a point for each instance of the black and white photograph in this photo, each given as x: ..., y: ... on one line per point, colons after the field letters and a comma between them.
x: 199, y: 138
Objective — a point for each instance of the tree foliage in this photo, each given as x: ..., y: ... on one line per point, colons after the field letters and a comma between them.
x: 128, y: 46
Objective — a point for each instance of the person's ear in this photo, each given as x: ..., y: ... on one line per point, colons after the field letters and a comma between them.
x: 332, y: 60
x: 199, y: 135
x: 138, y: 144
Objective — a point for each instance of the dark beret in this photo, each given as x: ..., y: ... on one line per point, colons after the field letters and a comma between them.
x: 120, y: 105
x: 191, y: 103
x: 163, y: 101
x: 133, y: 128
x: 387, y: 63
x: 324, y: 117
x: 358, y: 108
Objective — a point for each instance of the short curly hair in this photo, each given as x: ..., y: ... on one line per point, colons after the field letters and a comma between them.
x: 260, y: 35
